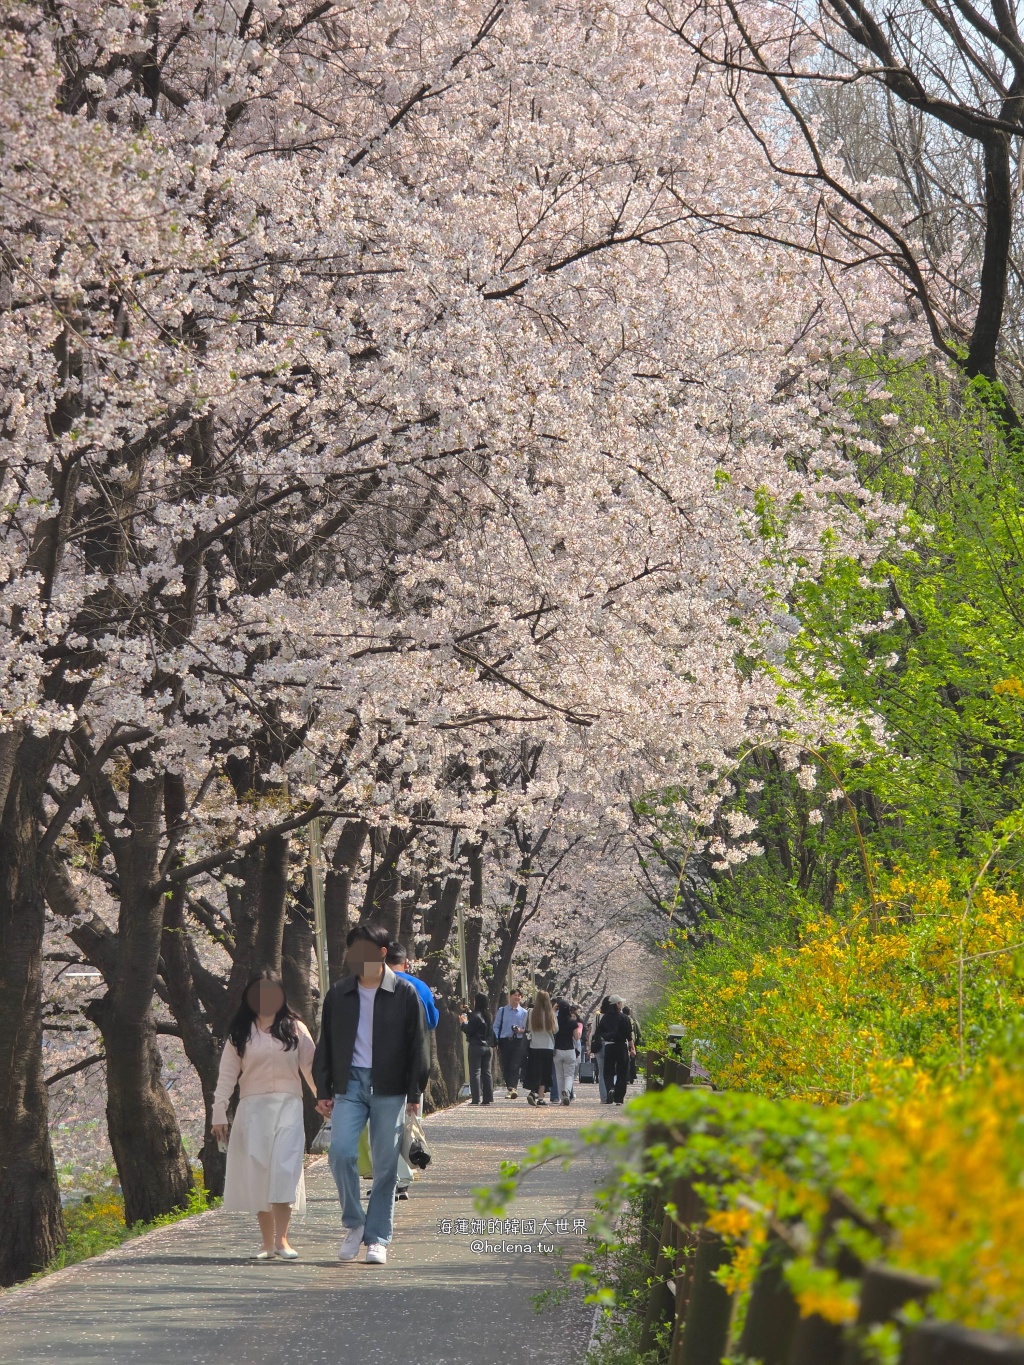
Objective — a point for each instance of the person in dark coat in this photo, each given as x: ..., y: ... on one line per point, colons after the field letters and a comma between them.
x: 617, y: 1031
x: 371, y: 1063
x: 477, y: 1028
x: 597, y: 1048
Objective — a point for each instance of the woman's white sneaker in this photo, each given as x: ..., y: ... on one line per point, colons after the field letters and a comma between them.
x: 350, y: 1244
x: 376, y: 1254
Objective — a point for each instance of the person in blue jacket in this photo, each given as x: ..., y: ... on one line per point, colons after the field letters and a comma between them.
x: 398, y: 960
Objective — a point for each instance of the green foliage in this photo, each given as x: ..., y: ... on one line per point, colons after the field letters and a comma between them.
x: 625, y: 1277
x: 874, y: 951
x: 924, y: 655
x: 928, y: 647
x: 95, y: 1223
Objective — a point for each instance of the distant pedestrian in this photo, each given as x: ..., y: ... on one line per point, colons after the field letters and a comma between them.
x: 617, y: 1031
x: 541, y: 1028
x: 510, y: 1034
x: 567, y: 1020
x: 268, y: 1049
x: 636, y: 1043
x: 597, y: 1047
x: 372, y: 1063
x: 477, y: 1028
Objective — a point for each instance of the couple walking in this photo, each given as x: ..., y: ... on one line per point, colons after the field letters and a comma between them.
x: 371, y: 1065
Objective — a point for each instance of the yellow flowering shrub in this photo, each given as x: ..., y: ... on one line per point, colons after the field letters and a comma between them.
x: 828, y: 1018
x: 884, y: 1051
x: 95, y: 1223
x: 946, y: 1161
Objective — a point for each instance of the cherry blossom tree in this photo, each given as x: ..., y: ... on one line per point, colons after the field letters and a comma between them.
x: 377, y: 408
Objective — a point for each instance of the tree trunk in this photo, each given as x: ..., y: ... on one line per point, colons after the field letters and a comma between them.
x: 446, y: 1082
x: 474, y: 933
x: 447, y: 1077
x: 33, y: 1228
x: 442, y: 917
x: 180, y: 966
x: 508, y: 941
x: 382, y: 903
x: 144, y: 1135
x: 257, y: 915
x: 338, y: 893
x: 296, y: 965
x: 296, y: 961
x: 984, y: 343
x: 272, y: 905
x: 474, y: 921
x: 198, y: 1041
x: 410, y: 895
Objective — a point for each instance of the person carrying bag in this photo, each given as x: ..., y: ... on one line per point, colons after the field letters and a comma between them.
x: 510, y: 1036
x: 268, y: 1052
x: 542, y: 1025
x: 477, y: 1028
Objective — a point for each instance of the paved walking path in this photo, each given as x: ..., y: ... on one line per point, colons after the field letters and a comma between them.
x: 190, y: 1293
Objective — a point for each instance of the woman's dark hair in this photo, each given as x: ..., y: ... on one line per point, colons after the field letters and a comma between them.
x: 606, y: 1006
x: 372, y: 933
x: 481, y: 1007
x: 283, y: 1028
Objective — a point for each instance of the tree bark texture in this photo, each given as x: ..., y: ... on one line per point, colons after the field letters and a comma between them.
x: 338, y: 893
x: 144, y: 1135
x: 30, y: 1214
x: 143, y: 1127
x: 382, y: 903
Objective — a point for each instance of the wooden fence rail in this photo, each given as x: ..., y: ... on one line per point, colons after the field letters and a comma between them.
x: 690, y: 1311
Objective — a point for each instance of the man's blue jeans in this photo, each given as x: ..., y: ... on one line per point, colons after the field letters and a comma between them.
x: 386, y: 1114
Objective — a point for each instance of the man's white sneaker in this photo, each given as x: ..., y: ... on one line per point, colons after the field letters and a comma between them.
x: 376, y: 1254
x: 350, y: 1244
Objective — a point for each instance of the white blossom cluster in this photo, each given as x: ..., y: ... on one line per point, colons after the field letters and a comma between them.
x: 379, y: 397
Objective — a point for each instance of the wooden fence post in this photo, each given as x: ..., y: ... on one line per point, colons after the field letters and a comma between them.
x: 705, y: 1335
x: 817, y: 1341
x: 676, y: 1072
x: 654, y: 1070
x: 943, y: 1343
x: 654, y: 1203
x: 670, y: 1270
x: 772, y: 1313
x: 660, y: 1300
x: 884, y: 1291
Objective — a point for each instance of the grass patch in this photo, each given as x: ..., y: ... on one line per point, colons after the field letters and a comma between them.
x: 95, y: 1223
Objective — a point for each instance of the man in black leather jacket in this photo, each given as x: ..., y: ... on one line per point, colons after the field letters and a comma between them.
x: 372, y: 1063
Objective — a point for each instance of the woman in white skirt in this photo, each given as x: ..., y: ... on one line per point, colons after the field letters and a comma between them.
x: 267, y: 1052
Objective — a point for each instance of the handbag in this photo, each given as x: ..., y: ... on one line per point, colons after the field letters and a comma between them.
x: 414, y: 1143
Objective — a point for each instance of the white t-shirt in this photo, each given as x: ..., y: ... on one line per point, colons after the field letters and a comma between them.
x: 362, y: 1053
